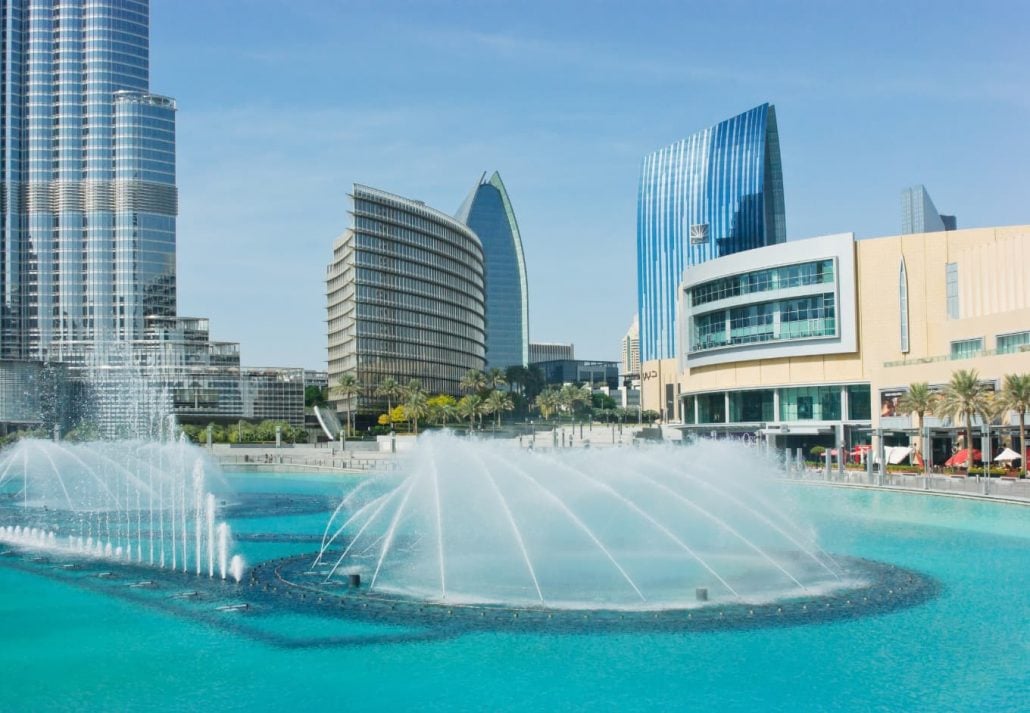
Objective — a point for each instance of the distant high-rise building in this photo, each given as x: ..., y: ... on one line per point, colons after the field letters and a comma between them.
x: 718, y: 192
x: 487, y: 210
x: 541, y: 351
x: 919, y: 214
x: 87, y: 164
x: 405, y: 298
x: 630, y: 348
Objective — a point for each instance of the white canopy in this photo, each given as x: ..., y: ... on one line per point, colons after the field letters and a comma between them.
x: 1007, y: 456
x: 896, y: 454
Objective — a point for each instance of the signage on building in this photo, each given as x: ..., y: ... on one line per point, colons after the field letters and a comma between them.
x: 653, y: 374
x: 889, y: 402
x: 699, y: 233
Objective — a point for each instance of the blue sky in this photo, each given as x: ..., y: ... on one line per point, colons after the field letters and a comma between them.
x: 283, y: 104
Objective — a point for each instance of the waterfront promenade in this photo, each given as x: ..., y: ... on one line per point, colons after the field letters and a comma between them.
x: 371, y: 457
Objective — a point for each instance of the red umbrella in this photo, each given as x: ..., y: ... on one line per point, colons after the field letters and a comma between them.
x: 962, y: 457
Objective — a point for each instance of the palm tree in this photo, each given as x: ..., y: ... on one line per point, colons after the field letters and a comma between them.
x: 495, y: 378
x: 1015, y: 396
x: 516, y: 376
x: 497, y: 402
x: 473, y: 382
x: 963, y: 397
x: 415, y: 407
x: 920, y: 399
x: 347, y: 387
x: 572, y: 396
x: 547, y: 402
x: 390, y: 390
x: 469, y: 407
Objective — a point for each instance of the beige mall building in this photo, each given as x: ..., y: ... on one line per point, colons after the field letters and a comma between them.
x: 812, y: 342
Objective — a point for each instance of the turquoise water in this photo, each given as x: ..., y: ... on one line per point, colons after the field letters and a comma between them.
x: 67, y: 648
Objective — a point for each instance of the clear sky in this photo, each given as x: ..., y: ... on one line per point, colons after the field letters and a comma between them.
x: 283, y: 104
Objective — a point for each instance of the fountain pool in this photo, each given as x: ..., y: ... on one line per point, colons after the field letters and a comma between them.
x: 183, y: 641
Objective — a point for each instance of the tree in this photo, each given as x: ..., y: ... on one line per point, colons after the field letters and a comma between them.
x: 1015, y: 396
x: 919, y: 399
x: 314, y: 396
x: 394, y: 415
x: 548, y: 402
x: 347, y: 387
x: 442, y: 408
x: 496, y: 379
x: 963, y: 397
x: 415, y: 403
x: 390, y: 390
x: 497, y: 402
x: 572, y: 396
x: 470, y: 407
x: 516, y: 376
x: 473, y: 382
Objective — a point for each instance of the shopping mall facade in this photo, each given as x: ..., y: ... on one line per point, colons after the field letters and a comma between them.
x: 812, y: 342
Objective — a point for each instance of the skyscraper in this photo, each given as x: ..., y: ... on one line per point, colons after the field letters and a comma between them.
x: 717, y: 192
x: 919, y: 214
x: 404, y: 293
x: 87, y: 166
x: 629, y: 349
x: 487, y: 210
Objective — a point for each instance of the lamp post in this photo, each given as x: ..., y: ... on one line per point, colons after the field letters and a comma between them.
x: 985, y: 450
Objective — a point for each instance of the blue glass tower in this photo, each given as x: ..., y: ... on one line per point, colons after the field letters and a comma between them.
x: 87, y: 167
x: 717, y: 192
x: 487, y: 210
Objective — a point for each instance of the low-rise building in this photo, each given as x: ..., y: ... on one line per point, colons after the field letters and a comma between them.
x: 813, y: 342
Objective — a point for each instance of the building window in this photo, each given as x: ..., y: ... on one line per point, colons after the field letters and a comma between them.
x: 903, y: 305
x: 751, y: 406
x: 951, y: 282
x: 1012, y: 343
x: 967, y: 348
x: 859, y: 402
x: 811, y: 403
x: 711, y: 408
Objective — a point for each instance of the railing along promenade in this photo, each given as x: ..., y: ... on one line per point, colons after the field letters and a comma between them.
x: 973, y: 485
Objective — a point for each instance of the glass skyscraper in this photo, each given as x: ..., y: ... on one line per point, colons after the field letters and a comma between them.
x: 487, y: 210
x: 87, y: 166
x: 717, y: 192
x: 919, y: 214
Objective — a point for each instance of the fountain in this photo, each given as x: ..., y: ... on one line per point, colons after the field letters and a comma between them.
x: 120, y: 501
x: 471, y: 523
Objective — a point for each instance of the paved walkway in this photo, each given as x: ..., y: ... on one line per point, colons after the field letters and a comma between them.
x: 994, y: 489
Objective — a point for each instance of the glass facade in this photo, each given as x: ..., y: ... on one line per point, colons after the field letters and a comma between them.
x: 860, y: 404
x: 819, y: 272
x: 87, y: 161
x: 810, y: 403
x: 751, y: 406
x: 951, y: 289
x: 779, y: 320
x: 759, y: 406
x: 919, y: 214
x: 488, y: 211
x: 966, y: 348
x: 715, y: 193
x: 1012, y: 343
x: 903, y: 305
x: 405, y: 297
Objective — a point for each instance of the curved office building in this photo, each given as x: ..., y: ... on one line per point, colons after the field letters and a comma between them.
x: 715, y: 193
x: 405, y: 297
x: 487, y: 210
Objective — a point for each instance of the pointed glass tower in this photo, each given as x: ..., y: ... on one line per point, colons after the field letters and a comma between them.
x: 487, y: 210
